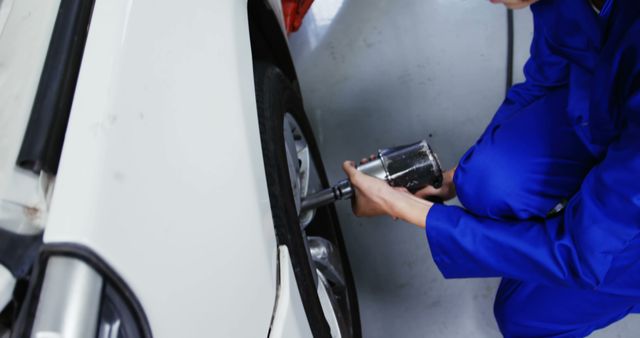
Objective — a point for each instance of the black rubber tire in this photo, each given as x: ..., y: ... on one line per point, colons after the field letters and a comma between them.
x: 276, y: 96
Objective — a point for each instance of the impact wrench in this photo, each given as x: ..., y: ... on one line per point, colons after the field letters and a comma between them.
x: 412, y: 166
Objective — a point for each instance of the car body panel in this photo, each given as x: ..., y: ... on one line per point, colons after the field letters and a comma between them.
x: 25, y: 32
x: 289, y: 319
x: 162, y: 173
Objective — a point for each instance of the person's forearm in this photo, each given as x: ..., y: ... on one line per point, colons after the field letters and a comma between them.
x: 408, y: 208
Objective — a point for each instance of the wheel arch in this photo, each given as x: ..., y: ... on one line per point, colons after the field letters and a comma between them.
x: 268, y: 41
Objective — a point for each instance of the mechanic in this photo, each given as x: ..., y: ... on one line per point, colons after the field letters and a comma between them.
x: 570, y: 132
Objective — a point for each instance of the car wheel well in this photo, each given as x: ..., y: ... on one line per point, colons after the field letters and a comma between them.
x: 268, y: 42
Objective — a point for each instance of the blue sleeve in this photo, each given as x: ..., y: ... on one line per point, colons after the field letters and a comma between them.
x: 544, y: 71
x: 593, y: 244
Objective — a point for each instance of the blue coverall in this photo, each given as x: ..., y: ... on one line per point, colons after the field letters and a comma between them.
x: 570, y: 132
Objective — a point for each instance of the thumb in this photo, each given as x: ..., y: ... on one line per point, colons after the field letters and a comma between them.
x: 349, y: 168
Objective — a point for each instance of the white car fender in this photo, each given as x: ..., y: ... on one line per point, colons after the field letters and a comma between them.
x: 289, y: 318
x: 161, y: 172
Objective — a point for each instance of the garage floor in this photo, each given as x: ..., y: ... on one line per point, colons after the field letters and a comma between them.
x: 377, y: 73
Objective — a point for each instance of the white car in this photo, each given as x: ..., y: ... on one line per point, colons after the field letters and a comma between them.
x: 153, y: 155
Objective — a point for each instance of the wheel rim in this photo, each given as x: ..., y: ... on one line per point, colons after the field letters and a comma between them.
x: 325, y: 260
x: 303, y: 174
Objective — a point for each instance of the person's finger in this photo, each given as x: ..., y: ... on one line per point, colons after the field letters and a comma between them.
x: 428, y: 191
x: 402, y: 189
x: 348, y: 165
x: 367, y: 159
x: 349, y: 168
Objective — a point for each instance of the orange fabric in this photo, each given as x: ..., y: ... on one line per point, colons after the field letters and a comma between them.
x: 294, y: 11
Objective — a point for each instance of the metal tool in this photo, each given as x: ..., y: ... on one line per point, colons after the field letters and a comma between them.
x: 412, y: 166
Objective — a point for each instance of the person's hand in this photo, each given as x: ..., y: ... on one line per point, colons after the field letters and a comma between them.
x: 514, y: 4
x: 446, y: 192
x: 370, y: 192
x: 374, y: 197
x: 367, y: 159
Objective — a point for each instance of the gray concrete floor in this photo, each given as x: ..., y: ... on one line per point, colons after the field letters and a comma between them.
x: 378, y: 73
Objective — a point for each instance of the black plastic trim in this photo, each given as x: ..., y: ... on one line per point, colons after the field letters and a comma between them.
x: 27, y: 314
x: 43, y: 139
x: 18, y: 252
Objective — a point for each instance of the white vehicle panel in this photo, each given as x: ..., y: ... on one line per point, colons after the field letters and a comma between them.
x: 25, y: 32
x: 289, y: 318
x: 162, y: 173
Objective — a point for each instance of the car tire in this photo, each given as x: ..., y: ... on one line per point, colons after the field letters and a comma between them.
x: 276, y: 97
